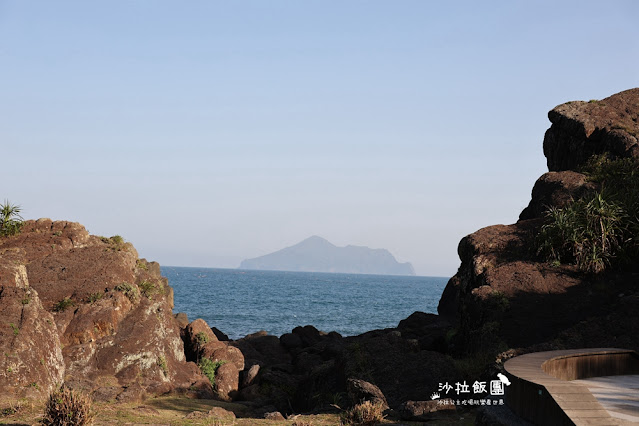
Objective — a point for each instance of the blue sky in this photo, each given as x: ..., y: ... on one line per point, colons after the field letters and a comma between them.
x: 207, y: 132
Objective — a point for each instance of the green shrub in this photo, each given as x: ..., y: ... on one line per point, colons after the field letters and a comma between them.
x: 116, y: 242
x: 201, y: 339
x: 63, y: 305
x: 366, y: 413
x: 94, y: 297
x: 67, y: 407
x: 161, y: 361
x: 129, y: 291
x: 10, y: 220
x: 209, y: 367
x: 601, y: 229
x: 141, y: 264
x: 149, y: 288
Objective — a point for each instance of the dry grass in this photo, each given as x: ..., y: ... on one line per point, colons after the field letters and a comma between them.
x: 367, y: 413
x: 172, y: 410
x: 68, y: 407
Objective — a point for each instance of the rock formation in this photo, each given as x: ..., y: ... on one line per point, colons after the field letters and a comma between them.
x: 505, y: 295
x: 84, y: 310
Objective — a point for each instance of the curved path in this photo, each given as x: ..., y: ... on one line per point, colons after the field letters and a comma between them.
x: 545, y: 387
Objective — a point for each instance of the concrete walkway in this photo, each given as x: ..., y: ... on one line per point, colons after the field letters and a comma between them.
x: 619, y: 395
x: 544, y: 389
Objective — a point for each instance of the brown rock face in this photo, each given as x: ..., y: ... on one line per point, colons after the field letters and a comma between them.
x: 581, y: 129
x: 94, y: 304
x: 555, y: 189
x: 503, y: 294
x: 32, y: 362
x: 500, y: 286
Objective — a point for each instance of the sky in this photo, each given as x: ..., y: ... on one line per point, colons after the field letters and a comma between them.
x: 207, y: 132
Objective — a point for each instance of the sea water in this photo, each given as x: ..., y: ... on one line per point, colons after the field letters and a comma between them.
x: 240, y: 302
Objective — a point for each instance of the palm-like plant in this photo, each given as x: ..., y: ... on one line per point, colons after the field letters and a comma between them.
x: 10, y: 219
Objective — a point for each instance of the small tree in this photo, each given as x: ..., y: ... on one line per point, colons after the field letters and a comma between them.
x: 10, y: 219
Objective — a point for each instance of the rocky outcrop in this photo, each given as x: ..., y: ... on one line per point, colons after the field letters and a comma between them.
x: 581, y: 129
x: 32, y: 359
x: 555, y: 189
x: 309, y: 370
x: 504, y: 294
x: 87, y: 311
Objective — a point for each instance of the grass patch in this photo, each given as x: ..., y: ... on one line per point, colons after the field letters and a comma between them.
x: 63, y: 305
x: 94, y: 297
x: 15, y: 329
x: 209, y: 367
x: 140, y: 264
x: 201, y: 339
x: 115, y: 242
x: 150, y: 288
x: 129, y: 291
x: 600, y: 230
x: 366, y: 413
x: 161, y: 361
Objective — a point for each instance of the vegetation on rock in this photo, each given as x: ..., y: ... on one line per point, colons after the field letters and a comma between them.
x: 209, y: 368
x: 599, y: 230
x: 63, y: 304
x: 10, y: 219
x: 129, y: 291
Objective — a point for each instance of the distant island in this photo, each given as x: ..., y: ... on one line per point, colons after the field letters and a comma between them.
x: 315, y: 254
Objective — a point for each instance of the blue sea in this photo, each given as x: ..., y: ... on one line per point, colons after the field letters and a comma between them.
x: 240, y: 302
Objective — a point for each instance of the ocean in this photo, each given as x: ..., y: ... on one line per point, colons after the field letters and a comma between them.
x: 240, y: 302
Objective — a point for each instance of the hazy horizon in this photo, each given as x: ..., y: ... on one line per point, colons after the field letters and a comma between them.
x: 206, y: 133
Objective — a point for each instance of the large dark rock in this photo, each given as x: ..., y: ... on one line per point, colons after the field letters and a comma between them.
x: 555, y: 189
x: 581, y: 129
x: 428, y: 329
x: 360, y: 391
x: 504, y: 294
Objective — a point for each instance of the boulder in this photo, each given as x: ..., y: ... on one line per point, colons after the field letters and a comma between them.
x: 220, y: 336
x: 360, y: 391
x: 291, y: 341
x: 197, y: 335
x: 555, y: 189
x: 423, y: 411
x: 262, y: 349
x: 214, y: 413
x: 182, y: 320
x: 308, y: 334
x: 227, y: 381
x: 224, y: 353
x: 274, y: 415
x: 582, y: 129
x: 249, y: 376
x: 428, y: 329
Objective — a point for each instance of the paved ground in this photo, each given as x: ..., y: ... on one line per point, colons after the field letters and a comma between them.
x: 619, y: 395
